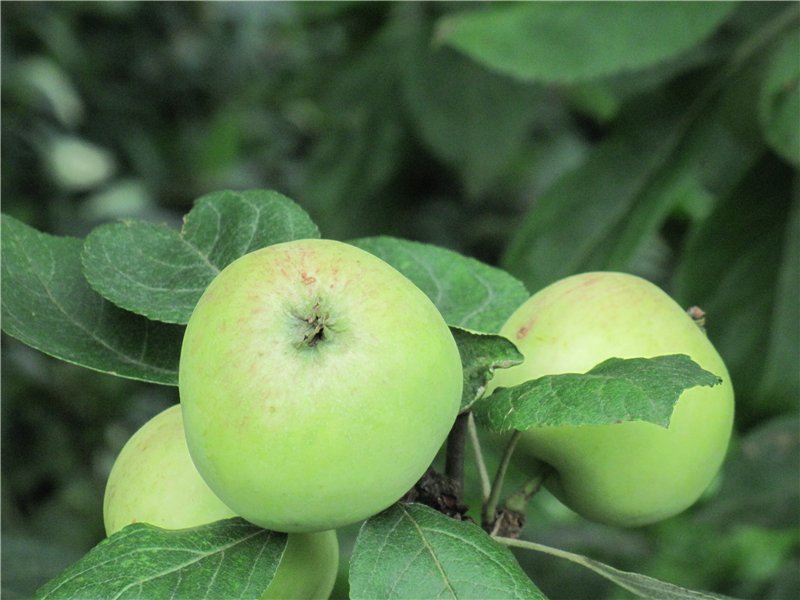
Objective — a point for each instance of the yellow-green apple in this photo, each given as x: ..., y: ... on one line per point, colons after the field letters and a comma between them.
x: 631, y: 473
x: 317, y: 385
x: 154, y: 481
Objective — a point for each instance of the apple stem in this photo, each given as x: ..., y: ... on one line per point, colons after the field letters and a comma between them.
x: 483, y: 473
x: 518, y: 501
x: 454, y: 458
x: 489, y: 516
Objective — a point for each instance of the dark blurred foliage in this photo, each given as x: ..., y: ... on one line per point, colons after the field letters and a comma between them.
x: 133, y: 110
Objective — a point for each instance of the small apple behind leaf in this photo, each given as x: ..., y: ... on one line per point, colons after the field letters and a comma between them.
x: 317, y: 385
x: 631, y: 473
x: 154, y: 481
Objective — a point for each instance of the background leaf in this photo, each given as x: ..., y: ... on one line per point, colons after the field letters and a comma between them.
x: 350, y: 168
x: 602, y: 215
x: 748, y: 287
x: 542, y: 41
x: 226, y: 559
x: 412, y: 551
x: 780, y: 100
x: 47, y: 304
x: 467, y: 292
x: 453, y: 103
x: 481, y: 354
x: 760, y: 483
x: 157, y: 272
x: 616, y: 390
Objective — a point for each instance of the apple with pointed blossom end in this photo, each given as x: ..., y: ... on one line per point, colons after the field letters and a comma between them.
x: 630, y: 473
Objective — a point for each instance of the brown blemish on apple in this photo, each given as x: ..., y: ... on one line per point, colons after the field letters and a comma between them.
x: 523, y: 331
x: 307, y: 279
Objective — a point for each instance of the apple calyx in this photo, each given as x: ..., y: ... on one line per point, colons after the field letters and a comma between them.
x: 314, y: 328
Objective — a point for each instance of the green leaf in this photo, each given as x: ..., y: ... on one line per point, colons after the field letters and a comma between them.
x: 161, y: 273
x: 639, y: 585
x: 468, y: 293
x: 481, y: 354
x: 567, y: 42
x: 47, y: 304
x: 740, y: 266
x: 226, y: 559
x: 361, y: 148
x: 605, y: 214
x: 779, y: 107
x: 602, y: 215
x: 615, y: 391
x: 412, y: 551
x: 759, y: 482
x: 454, y: 105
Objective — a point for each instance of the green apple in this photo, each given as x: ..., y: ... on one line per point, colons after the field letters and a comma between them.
x: 317, y: 385
x: 154, y: 481
x: 631, y: 473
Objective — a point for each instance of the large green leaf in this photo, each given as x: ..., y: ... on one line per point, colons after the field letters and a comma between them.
x: 741, y: 267
x: 468, y: 293
x: 615, y: 391
x: 566, y: 42
x: 412, y: 551
x: 48, y: 305
x: 229, y: 559
x: 158, y: 272
x: 779, y: 109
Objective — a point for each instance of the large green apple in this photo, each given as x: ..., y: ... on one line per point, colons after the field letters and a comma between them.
x: 317, y: 385
x: 631, y: 473
x: 154, y: 481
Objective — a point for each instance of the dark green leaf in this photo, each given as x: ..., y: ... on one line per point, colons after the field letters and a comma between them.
x: 566, y: 42
x: 161, y: 273
x: 740, y: 266
x: 616, y: 390
x: 48, y: 305
x: 779, y: 109
x: 412, y: 551
x: 362, y: 148
x: 481, y: 354
x: 602, y: 215
x: 229, y: 559
x: 760, y: 482
x: 455, y: 107
x: 467, y: 292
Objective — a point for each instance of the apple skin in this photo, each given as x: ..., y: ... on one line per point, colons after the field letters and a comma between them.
x: 154, y: 481
x: 632, y: 473
x: 317, y: 385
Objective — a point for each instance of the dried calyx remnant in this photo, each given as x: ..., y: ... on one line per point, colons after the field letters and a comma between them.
x: 314, y: 326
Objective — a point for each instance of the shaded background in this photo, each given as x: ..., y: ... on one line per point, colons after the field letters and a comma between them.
x: 377, y: 118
